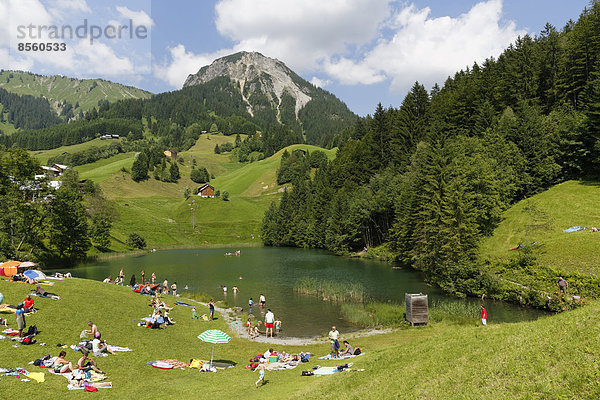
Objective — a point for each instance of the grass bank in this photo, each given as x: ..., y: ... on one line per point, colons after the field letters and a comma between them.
x: 553, y: 357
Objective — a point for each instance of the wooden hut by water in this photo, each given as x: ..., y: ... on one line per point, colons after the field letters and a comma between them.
x: 417, y: 309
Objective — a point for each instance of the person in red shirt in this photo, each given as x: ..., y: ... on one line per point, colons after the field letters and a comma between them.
x: 28, y: 303
x: 483, y: 315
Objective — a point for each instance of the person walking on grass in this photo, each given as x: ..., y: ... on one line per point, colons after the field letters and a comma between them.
x: 20, y: 314
x: 563, y: 285
x: 211, y: 307
x: 483, y: 315
x: 261, y: 373
x: 333, y: 336
x: 269, y: 321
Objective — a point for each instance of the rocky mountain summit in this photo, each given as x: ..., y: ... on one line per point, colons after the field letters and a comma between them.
x: 270, y: 92
x: 257, y: 75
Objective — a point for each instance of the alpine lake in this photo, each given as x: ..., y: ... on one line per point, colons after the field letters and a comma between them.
x: 274, y: 272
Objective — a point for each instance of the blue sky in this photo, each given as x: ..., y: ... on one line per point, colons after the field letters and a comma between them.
x: 363, y: 51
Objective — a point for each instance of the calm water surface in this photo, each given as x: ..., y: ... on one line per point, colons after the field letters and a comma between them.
x: 273, y: 272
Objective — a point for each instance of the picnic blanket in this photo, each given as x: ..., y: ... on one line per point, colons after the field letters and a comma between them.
x: 181, y: 303
x: 328, y: 357
x: 280, y: 366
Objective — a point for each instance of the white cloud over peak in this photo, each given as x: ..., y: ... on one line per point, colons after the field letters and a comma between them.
x: 183, y: 63
x: 139, y: 18
x: 354, y: 42
x: 300, y: 33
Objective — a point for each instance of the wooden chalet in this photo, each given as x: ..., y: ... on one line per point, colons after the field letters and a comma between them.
x: 206, y: 190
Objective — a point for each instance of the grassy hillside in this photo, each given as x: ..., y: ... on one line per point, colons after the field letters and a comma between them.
x: 553, y: 357
x: 543, y: 218
x: 44, y: 155
x: 158, y: 210
x: 56, y: 88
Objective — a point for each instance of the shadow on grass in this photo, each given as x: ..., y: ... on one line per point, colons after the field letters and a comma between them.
x: 589, y: 182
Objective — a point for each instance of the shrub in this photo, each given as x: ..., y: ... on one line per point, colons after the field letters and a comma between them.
x: 136, y: 241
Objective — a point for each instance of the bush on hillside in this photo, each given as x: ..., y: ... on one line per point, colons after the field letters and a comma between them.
x: 136, y: 241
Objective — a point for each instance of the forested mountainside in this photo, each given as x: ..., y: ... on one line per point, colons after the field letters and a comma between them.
x: 431, y: 178
x: 271, y: 99
x: 26, y: 112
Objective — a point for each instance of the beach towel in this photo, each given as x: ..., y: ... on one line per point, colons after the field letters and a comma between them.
x: 39, y: 377
x: 104, y: 385
x: 325, y: 371
x: 181, y: 303
x: 328, y: 356
x: 48, y: 296
x: 574, y: 229
x: 119, y: 348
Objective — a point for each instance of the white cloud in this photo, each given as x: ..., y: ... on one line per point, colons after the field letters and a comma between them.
x: 139, y: 18
x: 71, y: 5
x: 183, y: 63
x: 81, y: 58
x: 320, y: 82
x: 300, y: 33
x: 429, y: 49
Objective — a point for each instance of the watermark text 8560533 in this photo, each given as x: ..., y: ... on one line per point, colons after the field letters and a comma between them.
x: 48, y: 46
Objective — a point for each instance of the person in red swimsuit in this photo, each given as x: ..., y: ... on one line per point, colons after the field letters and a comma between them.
x: 483, y: 315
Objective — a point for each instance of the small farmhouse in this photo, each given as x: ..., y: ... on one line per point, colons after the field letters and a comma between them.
x: 109, y: 136
x: 49, y: 171
x: 206, y: 190
x: 60, y: 167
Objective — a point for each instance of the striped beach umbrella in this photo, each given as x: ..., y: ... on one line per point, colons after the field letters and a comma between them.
x: 214, y: 336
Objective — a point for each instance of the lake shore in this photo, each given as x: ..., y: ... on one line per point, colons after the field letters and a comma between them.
x: 238, y: 328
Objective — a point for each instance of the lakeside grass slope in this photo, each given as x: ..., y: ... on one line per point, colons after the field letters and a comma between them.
x: 542, y: 219
x: 553, y: 357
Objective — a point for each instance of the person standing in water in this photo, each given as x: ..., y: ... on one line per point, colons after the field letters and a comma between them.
x: 121, y: 276
x: 153, y: 278
x: 143, y: 273
x: 269, y: 321
x: 262, y: 300
x: 174, y: 288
